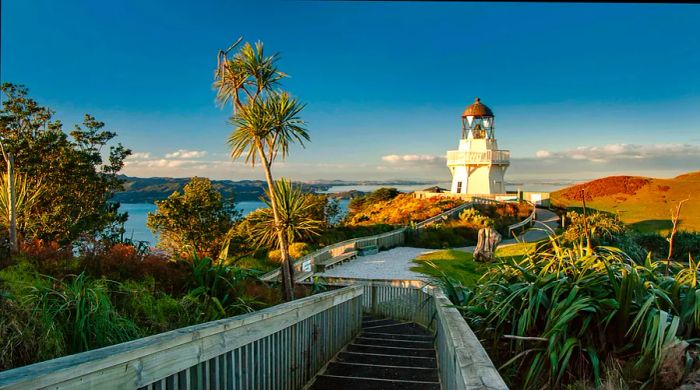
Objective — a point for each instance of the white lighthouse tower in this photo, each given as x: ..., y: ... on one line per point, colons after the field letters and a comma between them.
x: 478, y: 166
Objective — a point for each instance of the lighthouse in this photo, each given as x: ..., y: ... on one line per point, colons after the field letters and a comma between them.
x: 478, y: 166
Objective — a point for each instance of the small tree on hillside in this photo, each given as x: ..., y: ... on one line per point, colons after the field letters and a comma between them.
x: 197, y: 219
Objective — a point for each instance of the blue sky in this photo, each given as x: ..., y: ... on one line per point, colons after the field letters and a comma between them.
x: 578, y: 90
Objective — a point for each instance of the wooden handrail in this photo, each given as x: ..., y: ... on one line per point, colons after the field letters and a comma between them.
x: 353, y: 242
x: 463, y: 362
x: 528, y: 220
x: 196, y: 352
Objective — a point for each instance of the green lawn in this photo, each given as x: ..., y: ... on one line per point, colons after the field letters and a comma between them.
x: 461, y: 265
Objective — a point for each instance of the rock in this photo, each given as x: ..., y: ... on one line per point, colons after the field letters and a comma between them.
x: 485, y: 249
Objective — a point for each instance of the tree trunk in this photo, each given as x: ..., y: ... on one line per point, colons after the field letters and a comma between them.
x: 11, y: 204
x: 286, y: 268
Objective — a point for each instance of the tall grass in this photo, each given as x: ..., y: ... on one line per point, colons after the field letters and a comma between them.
x: 81, y: 310
x: 553, y: 316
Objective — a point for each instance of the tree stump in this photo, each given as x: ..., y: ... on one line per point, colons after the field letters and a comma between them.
x: 489, y: 239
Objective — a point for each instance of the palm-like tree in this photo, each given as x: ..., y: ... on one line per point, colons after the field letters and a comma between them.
x: 265, y: 123
x: 296, y: 215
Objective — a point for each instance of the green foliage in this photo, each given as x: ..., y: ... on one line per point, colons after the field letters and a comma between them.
x: 568, y: 307
x: 76, y: 181
x: 81, y: 310
x: 473, y: 217
x: 602, y: 226
x: 383, y: 194
x: 343, y: 232
x: 298, y: 215
x: 215, y: 290
x: 442, y: 236
x: 684, y: 244
x: 153, y: 311
x: 198, y: 219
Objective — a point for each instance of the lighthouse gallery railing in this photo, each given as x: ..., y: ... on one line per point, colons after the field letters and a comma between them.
x: 455, y: 157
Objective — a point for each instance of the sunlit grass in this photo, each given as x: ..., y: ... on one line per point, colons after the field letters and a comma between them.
x: 461, y: 265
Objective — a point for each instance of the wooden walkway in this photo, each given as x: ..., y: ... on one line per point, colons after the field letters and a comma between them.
x: 387, y: 355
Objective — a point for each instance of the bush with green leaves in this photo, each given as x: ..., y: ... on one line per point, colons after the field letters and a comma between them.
x: 216, y: 290
x: 552, y: 317
x: 437, y: 236
x: 153, y: 311
x: 602, y: 226
x: 684, y: 244
x: 473, y: 217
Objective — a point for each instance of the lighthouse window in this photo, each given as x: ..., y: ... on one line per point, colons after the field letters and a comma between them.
x: 459, y: 187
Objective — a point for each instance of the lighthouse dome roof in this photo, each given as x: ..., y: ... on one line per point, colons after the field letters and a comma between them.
x: 477, y: 109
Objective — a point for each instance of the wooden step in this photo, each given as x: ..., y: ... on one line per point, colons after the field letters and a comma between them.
x: 387, y: 355
x: 382, y: 372
x: 397, y: 351
x: 332, y: 382
x: 404, y: 328
x: 388, y: 342
x: 386, y: 360
x: 394, y: 336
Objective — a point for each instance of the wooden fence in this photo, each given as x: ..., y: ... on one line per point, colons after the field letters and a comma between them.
x: 281, y: 347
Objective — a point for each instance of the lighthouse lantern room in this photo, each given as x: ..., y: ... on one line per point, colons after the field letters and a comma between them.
x: 478, y: 166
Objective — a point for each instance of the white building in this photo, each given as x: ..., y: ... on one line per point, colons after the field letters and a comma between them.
x: 478, y: 166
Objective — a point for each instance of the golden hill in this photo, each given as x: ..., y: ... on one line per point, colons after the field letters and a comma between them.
x: 644, y: 203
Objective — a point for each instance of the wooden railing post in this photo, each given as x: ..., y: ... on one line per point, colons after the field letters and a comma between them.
x: 375, y: 309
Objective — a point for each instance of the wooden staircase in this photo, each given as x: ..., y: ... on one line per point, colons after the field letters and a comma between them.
x: 386, y: 355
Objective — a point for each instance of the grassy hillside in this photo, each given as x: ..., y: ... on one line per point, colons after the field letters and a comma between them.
x: 644, y: 203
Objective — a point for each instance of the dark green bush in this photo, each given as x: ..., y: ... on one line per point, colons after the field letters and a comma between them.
x: 684, y: 243
x: 442, y: 236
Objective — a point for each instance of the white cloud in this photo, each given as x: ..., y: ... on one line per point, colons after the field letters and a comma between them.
x: 139, y: 156
x: 186, y: 154
x: 411, y: 158
x: 612, y: 152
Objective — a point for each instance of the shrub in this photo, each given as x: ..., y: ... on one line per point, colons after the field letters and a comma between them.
x: 474, y: 218
x: 441, y: 236
x: 602, y: 226
x: 684, y: 244
x: 216, y: 290
x: 296, y: 250
x: 124, y: 262
x: 346, y: 232
x: 49, y: 256
x: 399, y: 210
x: 151, y: 310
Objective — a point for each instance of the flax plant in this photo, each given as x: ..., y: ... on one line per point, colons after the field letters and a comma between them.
x: 553, y: 316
